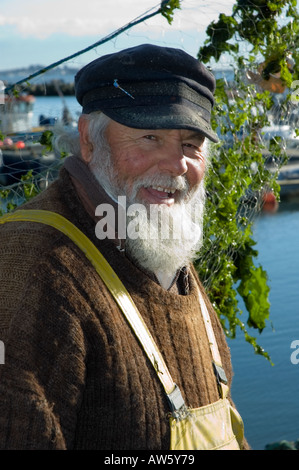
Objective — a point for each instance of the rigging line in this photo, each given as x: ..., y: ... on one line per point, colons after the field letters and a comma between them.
x: 111, y: 36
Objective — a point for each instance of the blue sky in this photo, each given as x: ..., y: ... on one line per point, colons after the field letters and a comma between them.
x: 44, y: 31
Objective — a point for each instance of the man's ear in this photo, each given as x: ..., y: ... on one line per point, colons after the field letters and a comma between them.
x: 85, y: 144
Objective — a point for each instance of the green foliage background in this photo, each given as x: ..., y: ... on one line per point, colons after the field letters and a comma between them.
x: 238, y: 177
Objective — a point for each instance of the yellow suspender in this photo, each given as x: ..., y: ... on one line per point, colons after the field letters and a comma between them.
x: 120, y: 294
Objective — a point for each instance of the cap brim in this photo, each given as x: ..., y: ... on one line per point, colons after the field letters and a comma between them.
x: 174, y: 116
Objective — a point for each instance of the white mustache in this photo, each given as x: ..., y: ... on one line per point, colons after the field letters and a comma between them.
x: 177, y: 183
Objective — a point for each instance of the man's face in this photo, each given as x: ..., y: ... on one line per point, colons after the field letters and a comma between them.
x: 163, y: 171
x: 169, y: 157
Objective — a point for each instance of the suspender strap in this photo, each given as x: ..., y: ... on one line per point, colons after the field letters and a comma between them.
x: 109, y: 277
x: 218, y: 369
x: 123, y: 299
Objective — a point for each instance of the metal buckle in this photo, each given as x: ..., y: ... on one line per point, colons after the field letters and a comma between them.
x: 220, y: 374
x: 177, y: 404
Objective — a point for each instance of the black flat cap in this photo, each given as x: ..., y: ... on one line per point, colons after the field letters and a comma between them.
x: 149, y: 87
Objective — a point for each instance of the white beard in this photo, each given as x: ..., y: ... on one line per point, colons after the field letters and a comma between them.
x: 169, y: 236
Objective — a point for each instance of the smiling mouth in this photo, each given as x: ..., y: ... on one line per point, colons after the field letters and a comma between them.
x: 164, y: 192
x: 160, y: 195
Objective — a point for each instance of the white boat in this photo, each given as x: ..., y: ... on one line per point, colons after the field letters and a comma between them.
x: 20, y: 149
x: 287, y: 134
x: 16, y: 114
x: 288, y: 179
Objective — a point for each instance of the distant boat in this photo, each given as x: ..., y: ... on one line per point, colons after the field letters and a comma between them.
x: 288, y: 136
x: 288, y: 175
x: 16, y: 113
x: 288, y: 179
x: 20, y: 149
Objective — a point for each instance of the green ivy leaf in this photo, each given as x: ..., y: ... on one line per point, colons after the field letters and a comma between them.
x: 168, y: 7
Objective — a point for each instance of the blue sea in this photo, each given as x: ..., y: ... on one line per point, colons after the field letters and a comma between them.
x: 52, y: 107
x: 266, y: 395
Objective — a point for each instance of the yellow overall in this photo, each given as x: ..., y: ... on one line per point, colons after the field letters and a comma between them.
x: 217, y: 426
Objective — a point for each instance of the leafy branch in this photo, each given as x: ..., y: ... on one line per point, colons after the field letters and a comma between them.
x: 238, y: 175
x: 168, y: 7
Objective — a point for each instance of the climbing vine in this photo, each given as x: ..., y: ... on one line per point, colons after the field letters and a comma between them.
x: 238, y: 176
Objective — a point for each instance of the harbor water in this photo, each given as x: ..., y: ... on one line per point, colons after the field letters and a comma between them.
x: 52, y: 107
x: 266, y: 395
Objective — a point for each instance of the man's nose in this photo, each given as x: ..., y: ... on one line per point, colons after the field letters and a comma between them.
x: 172, y: 160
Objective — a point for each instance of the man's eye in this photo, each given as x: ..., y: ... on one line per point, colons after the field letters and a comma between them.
x: 190, y: 145
x: 149, y: 137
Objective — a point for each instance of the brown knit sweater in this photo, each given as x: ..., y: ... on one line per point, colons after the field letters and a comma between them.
x: 75, y: 377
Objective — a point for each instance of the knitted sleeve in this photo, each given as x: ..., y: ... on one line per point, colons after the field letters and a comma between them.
x: 41, y: 382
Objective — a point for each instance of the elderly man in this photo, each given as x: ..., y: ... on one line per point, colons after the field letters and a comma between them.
x: 80, y: 371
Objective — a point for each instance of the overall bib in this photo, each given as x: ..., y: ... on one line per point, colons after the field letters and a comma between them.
x: 217, y: 426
